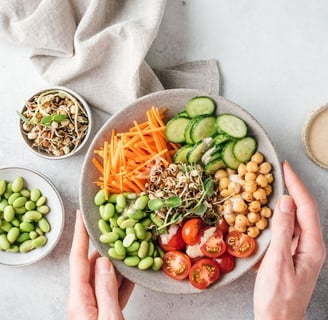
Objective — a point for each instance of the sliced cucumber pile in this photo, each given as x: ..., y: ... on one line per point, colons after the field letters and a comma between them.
x: 211, y: 140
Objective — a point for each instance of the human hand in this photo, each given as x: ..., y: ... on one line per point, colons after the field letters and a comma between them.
x: 96, y: 292
x: 290, y: 268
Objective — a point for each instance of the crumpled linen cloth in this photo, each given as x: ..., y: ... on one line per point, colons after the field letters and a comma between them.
x: 98, y: 48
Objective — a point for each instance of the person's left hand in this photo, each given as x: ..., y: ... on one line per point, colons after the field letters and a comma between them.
x: 96, y: 292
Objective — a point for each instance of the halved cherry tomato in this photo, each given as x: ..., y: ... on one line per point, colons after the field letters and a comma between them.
x: 190, y: 230
x: 240, y: 244
x: 172, y: 241
x: 226, y: 262
x: 214, y: 244
x: 203, y: 273
x: 176, y: 264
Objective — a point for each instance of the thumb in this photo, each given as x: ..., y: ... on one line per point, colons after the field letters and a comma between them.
x: 283, y: 227
x: 106, y: 290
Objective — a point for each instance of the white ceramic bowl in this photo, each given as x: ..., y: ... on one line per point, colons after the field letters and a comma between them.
x: 175, y: 101
x: 41, y: 151
x: 55, y: 217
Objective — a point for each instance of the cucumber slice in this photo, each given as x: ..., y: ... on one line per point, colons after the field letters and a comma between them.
x: 187, y: 132
x: 181, y: 154
x: 228, y: 156
x: 231, y: 125
x: 203, y: 127
x: 244, y: 148
x: 195, y: 154
x: 220, y: 139
x: 213, y: 166
x: 175, y: 129
x: 200, y: 106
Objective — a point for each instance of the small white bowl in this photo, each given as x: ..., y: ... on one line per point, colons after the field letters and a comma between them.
x: 55, y: 217
x: 42, y: 150
x: 315, y: 136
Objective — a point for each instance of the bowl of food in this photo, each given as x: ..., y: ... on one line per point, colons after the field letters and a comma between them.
x: 178, y: 185
x: 31, y: 216
x: 55, y: 122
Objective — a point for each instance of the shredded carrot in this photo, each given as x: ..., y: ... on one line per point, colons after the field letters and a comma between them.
x: 124, y: 162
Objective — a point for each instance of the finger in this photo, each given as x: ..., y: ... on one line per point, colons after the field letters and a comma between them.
x: 283, y: 226
x: 79, y: 263
x: 107, y: 290
x: 307, y: 212
x: 92, y: 262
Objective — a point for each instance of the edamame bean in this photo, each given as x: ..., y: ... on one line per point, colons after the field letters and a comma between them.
x: 119, y: 248
x: 35, y: 194
x: 129, y: 240
x: 44, y: 225
x: 103, y: 226
x: 140, y: 231
x: 33, y: 234
x: 99, y: 198
x: 157, y: 264
x: 23, y: 237
x: 112, y: 198
x: 40, y: 241
x: 30, y: 205
x: 151, y: 248
x: 113, y: 221
x: 43, y: 209
x: 26, y: 226
x: 32, y: 215
x: 113, y: 254
x: 26, y: 246
x: 108, y: 211
x: 136, y: 214
x: 130, y: 195
x: 149, y: 236
x: 145, y: 263
x: 9, y: 213
x: 127, y: 223
x: 109, y: 237
x: 13, y: 234
x: 19, y: 202
x: 4, y: 243
x: 3, y: 187
x: 143, y: 250
x: 13, y: 197
x: 3, y: 204
x: 141, y: 202
x: 121, y: 201
x: 13, y: 248
x: 6, y: 226
x: 120, y: 232
x: 41, y: 201
x: 132, y: 261
x: 17, y: 184
x: 25, y: 193
x: 134, y: 247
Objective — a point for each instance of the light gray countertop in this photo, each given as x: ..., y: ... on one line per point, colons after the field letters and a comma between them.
x: 273, y: 57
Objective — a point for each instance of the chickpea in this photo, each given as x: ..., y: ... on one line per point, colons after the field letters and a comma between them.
x: 240, y: 228
x: 253, y: 217
x: 234, y: 187
x: 224, y: 182
x: 247, y: 196
x: 230, y: 218
x: 257, y: 157
x: 266, y: 212
x: 269, y: 177
x: 255, y: 206
x: 265, y: 167
x: 220, y: 174
x: 261, y: 180
x: 252, y: 166
x: 238, y: 204
x: 250, y: 176
x: 241, y: 220
x: 231, y: 228
x: 230, y: 171
x: 262, y: 223
x: 268, y: 190
x: 260, y: 194
x: 225, y: 193
x: 250, y: 186
x: 253, y: 231
x: 242, y: 170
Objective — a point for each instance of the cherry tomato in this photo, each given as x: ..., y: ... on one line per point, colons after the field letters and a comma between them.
x: 203, y: 273
x: 190, y: 230
x: 223, y: 226
x: 240, y: 244
x: 176, y: 264
x: 226, y: 262
x: 173, y: 240
x: 214, y: 244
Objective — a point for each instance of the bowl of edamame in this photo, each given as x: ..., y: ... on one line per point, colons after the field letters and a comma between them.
x: 121, y: 227
x: 55, y: 122
x: 31, y: 216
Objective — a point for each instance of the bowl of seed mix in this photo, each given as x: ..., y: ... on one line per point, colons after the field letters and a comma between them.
x: 55, y: 122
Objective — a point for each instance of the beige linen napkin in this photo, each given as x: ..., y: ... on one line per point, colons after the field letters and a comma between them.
x: 98, y: 47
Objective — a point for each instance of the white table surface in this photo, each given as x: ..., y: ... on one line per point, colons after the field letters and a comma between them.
x: 273, y: 56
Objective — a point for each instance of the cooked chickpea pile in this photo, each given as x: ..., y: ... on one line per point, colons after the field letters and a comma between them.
x: 246, y: 194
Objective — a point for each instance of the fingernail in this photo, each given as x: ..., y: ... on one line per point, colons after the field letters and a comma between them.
x: 103, y: 265
x: 286, y: 204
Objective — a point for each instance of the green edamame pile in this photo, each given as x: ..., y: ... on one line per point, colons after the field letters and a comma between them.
x: 23, y: 222
x: 125, y: 225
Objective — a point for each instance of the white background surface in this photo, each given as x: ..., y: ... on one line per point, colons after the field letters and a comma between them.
x: 273, y: 56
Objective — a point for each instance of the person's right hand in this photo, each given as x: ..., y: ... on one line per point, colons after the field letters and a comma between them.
x: 290, y: 268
